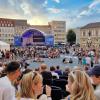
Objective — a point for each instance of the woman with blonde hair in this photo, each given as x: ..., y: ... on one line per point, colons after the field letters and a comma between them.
x: 31, y: 87
x: 80, y: 86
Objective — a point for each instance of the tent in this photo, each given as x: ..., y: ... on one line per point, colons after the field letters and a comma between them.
x: 4, y: 46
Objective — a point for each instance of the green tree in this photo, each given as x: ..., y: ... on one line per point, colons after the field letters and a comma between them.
x: 71, y: 37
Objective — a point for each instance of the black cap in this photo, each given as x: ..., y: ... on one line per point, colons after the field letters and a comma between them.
x: 12, y: 66
x: 95, y: 70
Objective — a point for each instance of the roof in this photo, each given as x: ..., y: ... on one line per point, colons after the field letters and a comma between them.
x: 40, y: 25
x: 91, y: 25
x: 36, y: 32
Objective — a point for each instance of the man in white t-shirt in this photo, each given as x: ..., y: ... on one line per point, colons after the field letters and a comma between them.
x: 54, y: 74
x: 7, y: 90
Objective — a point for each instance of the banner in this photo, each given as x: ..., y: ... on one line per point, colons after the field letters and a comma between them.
x: 17, y: 41
x: 49, y: 40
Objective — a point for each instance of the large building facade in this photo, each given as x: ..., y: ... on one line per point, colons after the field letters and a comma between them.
x: 90, y: 35
x: 59, y: 30
x: 7, y: 30
x: 20, y: 27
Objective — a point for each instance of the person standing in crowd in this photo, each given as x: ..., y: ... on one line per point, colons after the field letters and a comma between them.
x: 7, y: 90
x: 44, y: 72
x: 58, y: 70
x: 54, y: 74
x: 95, y: 76
x: 80, y: 86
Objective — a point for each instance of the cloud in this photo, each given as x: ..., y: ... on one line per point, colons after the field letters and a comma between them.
x: 82, y: 17
x: 98, y: 10
x: 93, y: 4
x: 84, y: 13
x: 45, y: 3
x: 43, y: 11
x: 89, y: 10
x: 39, y: 2
x: 38, y: 20
x: 57, y: 1
x: 10, y: 13
x: 23, y: 9
x: 26, y: 8
x: 35, y: 13
x: 32, y: 9
x: 54, y: 10
x: 12, y: 2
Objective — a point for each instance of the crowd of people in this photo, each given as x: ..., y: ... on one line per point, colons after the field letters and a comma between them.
x: 86, y: 56
x: 29, y: 53
x: 19, y: 82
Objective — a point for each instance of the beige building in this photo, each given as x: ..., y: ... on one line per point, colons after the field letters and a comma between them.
x: 10, y: 28
x: 77, y: 32
x: 20, y: 27
x: 59, y: 30
x: 90, y: 35
x: 7, y: 30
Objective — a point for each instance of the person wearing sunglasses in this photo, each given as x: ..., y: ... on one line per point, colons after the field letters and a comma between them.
x: 31, y: 87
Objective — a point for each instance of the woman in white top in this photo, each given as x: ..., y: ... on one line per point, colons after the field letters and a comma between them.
x: 31, y: 87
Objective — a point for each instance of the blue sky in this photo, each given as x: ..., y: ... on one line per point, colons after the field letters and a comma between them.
x: 76, y: 13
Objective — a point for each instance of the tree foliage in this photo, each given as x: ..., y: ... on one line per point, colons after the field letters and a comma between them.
x: 71, y: 36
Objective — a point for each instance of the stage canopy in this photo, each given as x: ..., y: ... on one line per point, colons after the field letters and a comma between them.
x: 36, y: 37
x: 33, y: 32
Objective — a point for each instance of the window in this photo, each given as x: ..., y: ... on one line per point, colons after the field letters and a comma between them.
x: 2, y: 24
x: 83, y: 33
x: 5, y: 25
x: 89, y: 33
x: 8, y: 25
x: 96, y: 33
x: 5, y: 35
